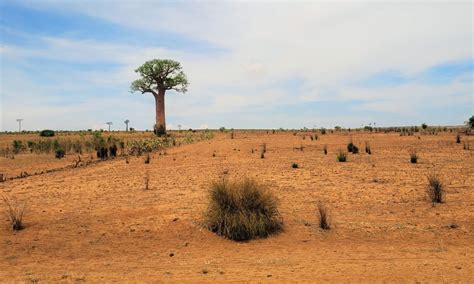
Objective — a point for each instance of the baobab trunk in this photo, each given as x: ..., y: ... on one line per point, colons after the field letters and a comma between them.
x: 160, y: 127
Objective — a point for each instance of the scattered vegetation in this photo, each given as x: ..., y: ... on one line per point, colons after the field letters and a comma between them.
x: 435, y: 188
x: 413, y: 157
x: 242, y: 210
x: 424, y: 126
x: 351, y: 148
x: 325, y: 149
x: 15, y: 213
x: 147, y: 158
x: 295, y: 166
x: 458, y: 139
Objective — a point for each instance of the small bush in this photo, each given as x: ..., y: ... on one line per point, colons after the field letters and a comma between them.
x: 262, y: 156
x: 325, y: 149
x: 242, y: 210
x: 47, y: 133
x: 323, y: 218
x: 59, y: 153
x: 458, y: 139
x: 367, y: 148
x: 294, y: 166
x: 113, y: 150
x: 424, y: 126
x: 147, y: 159
x: 15, y: 213
x: 102, y: 153
x: 341, y: 157
x: 355, y: 149
x: 17, y: 146
x: 435, y: 188
x: 413, y: 157
x: 350, y: 147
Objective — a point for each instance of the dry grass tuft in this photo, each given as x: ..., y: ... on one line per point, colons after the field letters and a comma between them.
x: 324, y: 222
x: 15, y: 213
x: 242, y: 210
x: 435, y: 188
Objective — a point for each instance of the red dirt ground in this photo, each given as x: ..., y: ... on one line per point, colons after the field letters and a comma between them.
x: 98, y: 224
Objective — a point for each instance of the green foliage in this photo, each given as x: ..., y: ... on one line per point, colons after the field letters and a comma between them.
x: 242, y: 210
x: 159, y: 75
x: 17, y: 146
x: 424, y: 126
x: 341, y: 157
x: 59, y: 153
x: 470, y: 122
x: 47, y: 133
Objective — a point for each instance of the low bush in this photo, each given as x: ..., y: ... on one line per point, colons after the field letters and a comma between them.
x: 458, y: 139
x: 413, y: 157
x: 294, y: 166
x: 242, y: 210
x: 341, y: 157
x: 59, y: 153
x: 435, y: 188
x: 47, y: 133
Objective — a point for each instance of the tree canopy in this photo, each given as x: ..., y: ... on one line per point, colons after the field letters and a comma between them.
x: 159, y: 75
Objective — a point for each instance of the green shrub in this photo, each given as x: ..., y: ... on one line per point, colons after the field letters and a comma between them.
x: 47, y: 133
x: 242, y: 210
x: 294, y: 166
x: 413, y: 157
x: 59, y: 153
x: 341, y: 157
x: 17, y: 146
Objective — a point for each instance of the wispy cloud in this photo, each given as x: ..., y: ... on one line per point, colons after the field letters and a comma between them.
x: 294, y: 65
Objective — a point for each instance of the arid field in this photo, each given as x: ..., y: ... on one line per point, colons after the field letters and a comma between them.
x: 97, y: 222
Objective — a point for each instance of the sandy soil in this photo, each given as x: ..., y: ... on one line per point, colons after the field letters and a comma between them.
x: 98, y: 224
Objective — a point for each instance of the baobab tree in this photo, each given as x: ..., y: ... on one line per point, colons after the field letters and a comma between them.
x: 109, y: 123
x: 126, y: 124
x: 157, y: 77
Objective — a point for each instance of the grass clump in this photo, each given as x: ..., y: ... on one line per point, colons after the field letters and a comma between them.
x: 341, y: 157
x: 325, y: 149
x: 435, y: 188
x: 242, y: 210
x: 147, y: 159
x: 15, y: 213
x: 324, y: 222
x: 368, y: 150
x: 458, y: 139
x: 295, y: 166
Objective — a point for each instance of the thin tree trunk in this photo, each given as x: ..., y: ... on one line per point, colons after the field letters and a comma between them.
x: 160, y: 112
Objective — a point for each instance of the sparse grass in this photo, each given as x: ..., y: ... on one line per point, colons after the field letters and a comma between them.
x: 341, y: 157
x: 324, y: 222
x: 147, y: 159
x: 413, y: 157
x: 295, y: 166
x: 15, y: 213
x: 435, y: 188
x: 147, y: 180
x: 242, y: 210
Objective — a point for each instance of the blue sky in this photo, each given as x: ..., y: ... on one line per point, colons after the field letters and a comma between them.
x: 69, y: 64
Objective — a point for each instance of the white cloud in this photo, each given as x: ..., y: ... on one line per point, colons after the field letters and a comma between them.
x: 325, y: 44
